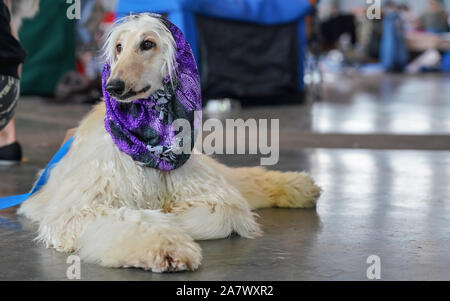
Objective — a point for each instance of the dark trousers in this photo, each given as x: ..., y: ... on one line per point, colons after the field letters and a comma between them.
x: 11, y: 56
x: 9, y: 93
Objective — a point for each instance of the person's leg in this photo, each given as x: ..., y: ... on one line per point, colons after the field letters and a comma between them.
x: 10, y: 150
x: 8, y: 135
x: 8, y: 4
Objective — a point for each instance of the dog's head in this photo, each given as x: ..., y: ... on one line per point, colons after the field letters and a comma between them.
x: 140, y: 50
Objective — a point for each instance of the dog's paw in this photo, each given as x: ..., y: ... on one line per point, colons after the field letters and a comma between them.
x: 140, y: 239
x: 171, y: 256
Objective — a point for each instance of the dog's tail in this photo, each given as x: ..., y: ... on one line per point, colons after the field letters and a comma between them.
x: 265, y: 189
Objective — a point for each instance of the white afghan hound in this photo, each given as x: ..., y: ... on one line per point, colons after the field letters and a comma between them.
x: 100, y: 203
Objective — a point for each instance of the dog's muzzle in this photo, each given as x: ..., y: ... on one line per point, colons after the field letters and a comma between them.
x: 115, y: 87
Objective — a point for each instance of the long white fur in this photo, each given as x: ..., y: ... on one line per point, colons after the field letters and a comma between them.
x: 99, y: 203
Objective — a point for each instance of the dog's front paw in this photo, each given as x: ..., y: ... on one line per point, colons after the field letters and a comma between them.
x: 141, y: 239
x: 171, y: 256
x: 177, y: 258
x: 167, y: 252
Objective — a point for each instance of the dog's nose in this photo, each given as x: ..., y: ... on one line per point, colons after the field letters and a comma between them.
x: 115, y: 87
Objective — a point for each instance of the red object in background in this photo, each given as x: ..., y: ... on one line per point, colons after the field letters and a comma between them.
x: 107, y: 22
x: 80, y: 67
x: 109, y: 17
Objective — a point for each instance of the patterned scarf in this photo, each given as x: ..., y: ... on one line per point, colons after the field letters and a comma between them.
x: 143, y: 128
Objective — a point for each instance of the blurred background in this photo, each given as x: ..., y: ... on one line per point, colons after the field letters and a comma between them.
x: 324, y: 67
x: 256, y: 52
x: 361, y: 92
x: 251, y: 51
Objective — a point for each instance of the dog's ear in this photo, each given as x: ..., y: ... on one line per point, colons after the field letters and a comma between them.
x: 164, y: 21
x: 160, y: 17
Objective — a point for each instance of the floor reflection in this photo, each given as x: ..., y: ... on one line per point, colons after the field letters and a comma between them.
x: 394, y: 204
x: 400, y: 105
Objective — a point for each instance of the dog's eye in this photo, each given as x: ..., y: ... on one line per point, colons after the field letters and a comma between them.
x: 119, y: 48
x: 147, y: 45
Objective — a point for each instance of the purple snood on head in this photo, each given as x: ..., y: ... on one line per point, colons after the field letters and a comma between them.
x: 143, y: 129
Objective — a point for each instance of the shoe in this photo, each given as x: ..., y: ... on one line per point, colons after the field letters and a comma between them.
x: 10, y: 154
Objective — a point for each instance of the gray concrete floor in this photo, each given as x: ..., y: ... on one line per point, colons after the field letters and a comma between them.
x: 378, y: 146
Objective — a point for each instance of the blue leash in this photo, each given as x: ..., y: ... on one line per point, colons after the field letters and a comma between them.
x: 12, y: 201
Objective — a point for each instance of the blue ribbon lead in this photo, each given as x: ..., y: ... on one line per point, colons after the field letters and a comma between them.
x: 12, y: 201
